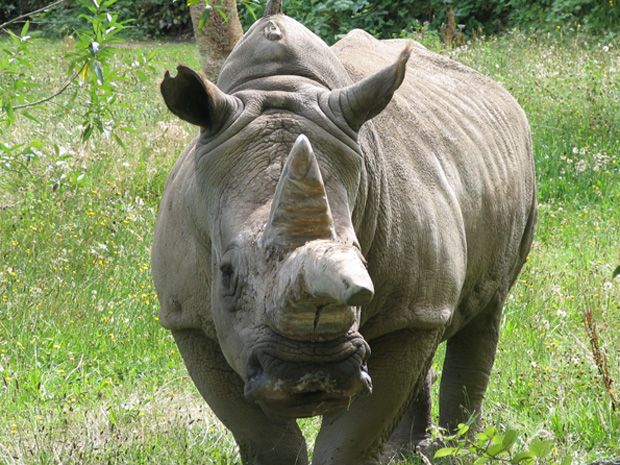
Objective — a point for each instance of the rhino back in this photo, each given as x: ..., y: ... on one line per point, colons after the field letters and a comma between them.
x: 455, y: 206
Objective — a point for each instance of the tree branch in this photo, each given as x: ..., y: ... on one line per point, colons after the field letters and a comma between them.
x: 55, y: 94
x: 25, y: 15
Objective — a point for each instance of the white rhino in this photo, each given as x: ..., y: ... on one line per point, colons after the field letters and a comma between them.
x: 324, y: 233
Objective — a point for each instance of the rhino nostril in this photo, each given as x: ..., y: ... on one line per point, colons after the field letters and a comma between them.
x: 366, y: 382
x: 256, y: 380
x: 254, y: 367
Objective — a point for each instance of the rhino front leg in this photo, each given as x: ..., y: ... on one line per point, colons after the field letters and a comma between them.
x: 413, y: 427
x: 398, y: 365
x: 261, y: 440
x: 470, y: 355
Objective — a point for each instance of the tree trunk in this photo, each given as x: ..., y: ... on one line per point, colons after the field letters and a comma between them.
x: 218, y: 37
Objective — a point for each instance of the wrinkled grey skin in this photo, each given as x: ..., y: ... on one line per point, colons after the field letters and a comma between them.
x: 292, y: 208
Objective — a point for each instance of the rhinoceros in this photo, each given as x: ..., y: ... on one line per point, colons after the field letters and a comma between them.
x: 342, y: 211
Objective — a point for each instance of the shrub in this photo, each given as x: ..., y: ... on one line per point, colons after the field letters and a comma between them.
x: 384, y: 18
x: 332, y: 18
x: 151, y: 18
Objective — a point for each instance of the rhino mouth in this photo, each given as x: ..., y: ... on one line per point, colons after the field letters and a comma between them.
x: 303, y: 379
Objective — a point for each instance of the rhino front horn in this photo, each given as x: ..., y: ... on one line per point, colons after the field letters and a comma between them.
x: 368, y: 97
x: 300, y: 211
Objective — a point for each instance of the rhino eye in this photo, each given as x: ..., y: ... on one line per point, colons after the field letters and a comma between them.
x: 228, y: 281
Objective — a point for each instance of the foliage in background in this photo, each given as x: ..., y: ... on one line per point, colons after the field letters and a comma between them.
x: 333, y: 18
x: 87, y: 375
x: 385, y: 18
x: 150, y: 18
x: 493, y: 447
x: 89, y: 90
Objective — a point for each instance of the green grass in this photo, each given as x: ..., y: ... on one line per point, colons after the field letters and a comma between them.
x: 87, y: 376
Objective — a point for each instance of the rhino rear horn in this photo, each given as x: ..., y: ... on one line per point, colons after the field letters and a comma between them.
x: 274, y: 7
x: 196, y: 100
x: 300, y: 211
x: 368, y: 97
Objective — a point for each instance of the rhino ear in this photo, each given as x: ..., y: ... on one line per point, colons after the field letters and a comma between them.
x: 196, y: 100
x: 367, y: 98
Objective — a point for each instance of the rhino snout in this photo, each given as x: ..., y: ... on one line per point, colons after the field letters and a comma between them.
x: 319, y: 291
x: 305, y: 379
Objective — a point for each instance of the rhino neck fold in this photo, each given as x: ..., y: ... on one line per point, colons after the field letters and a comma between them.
x: 281, y: 82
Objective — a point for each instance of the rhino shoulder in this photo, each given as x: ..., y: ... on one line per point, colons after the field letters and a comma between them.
x: 362, y: 54
x: 359, y: 39
x: 355, y: 47
x: 179, y: 260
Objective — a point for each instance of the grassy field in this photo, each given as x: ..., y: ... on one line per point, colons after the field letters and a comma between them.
x: 87, y: 376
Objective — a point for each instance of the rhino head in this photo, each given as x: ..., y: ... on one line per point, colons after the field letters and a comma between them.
x: 276, y: 173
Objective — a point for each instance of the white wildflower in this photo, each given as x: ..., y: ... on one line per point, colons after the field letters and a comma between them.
x: 581, y: 166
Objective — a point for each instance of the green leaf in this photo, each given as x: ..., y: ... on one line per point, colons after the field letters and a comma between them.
x: 204, y: 17
x: 616, y: 272
x: 568, y: 460
x: 77, y: 178
x: 88, y: 131
x: 510, y: 437
x: 30, y: 116
x: 541, y: 448
x: 10, y: 113
x: 461, y: 430
x: 98, y: 71
x: 222, y: 12
x: 495, y: 449
x: 119, y: 141
x: 248, y: 6
x: 445, y: 452
x: 25, y: 28
x: 488, y: 432
x: 36, y: 144
x: 89, y: 6
x: 14, y: 37
x: 523, y: 457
